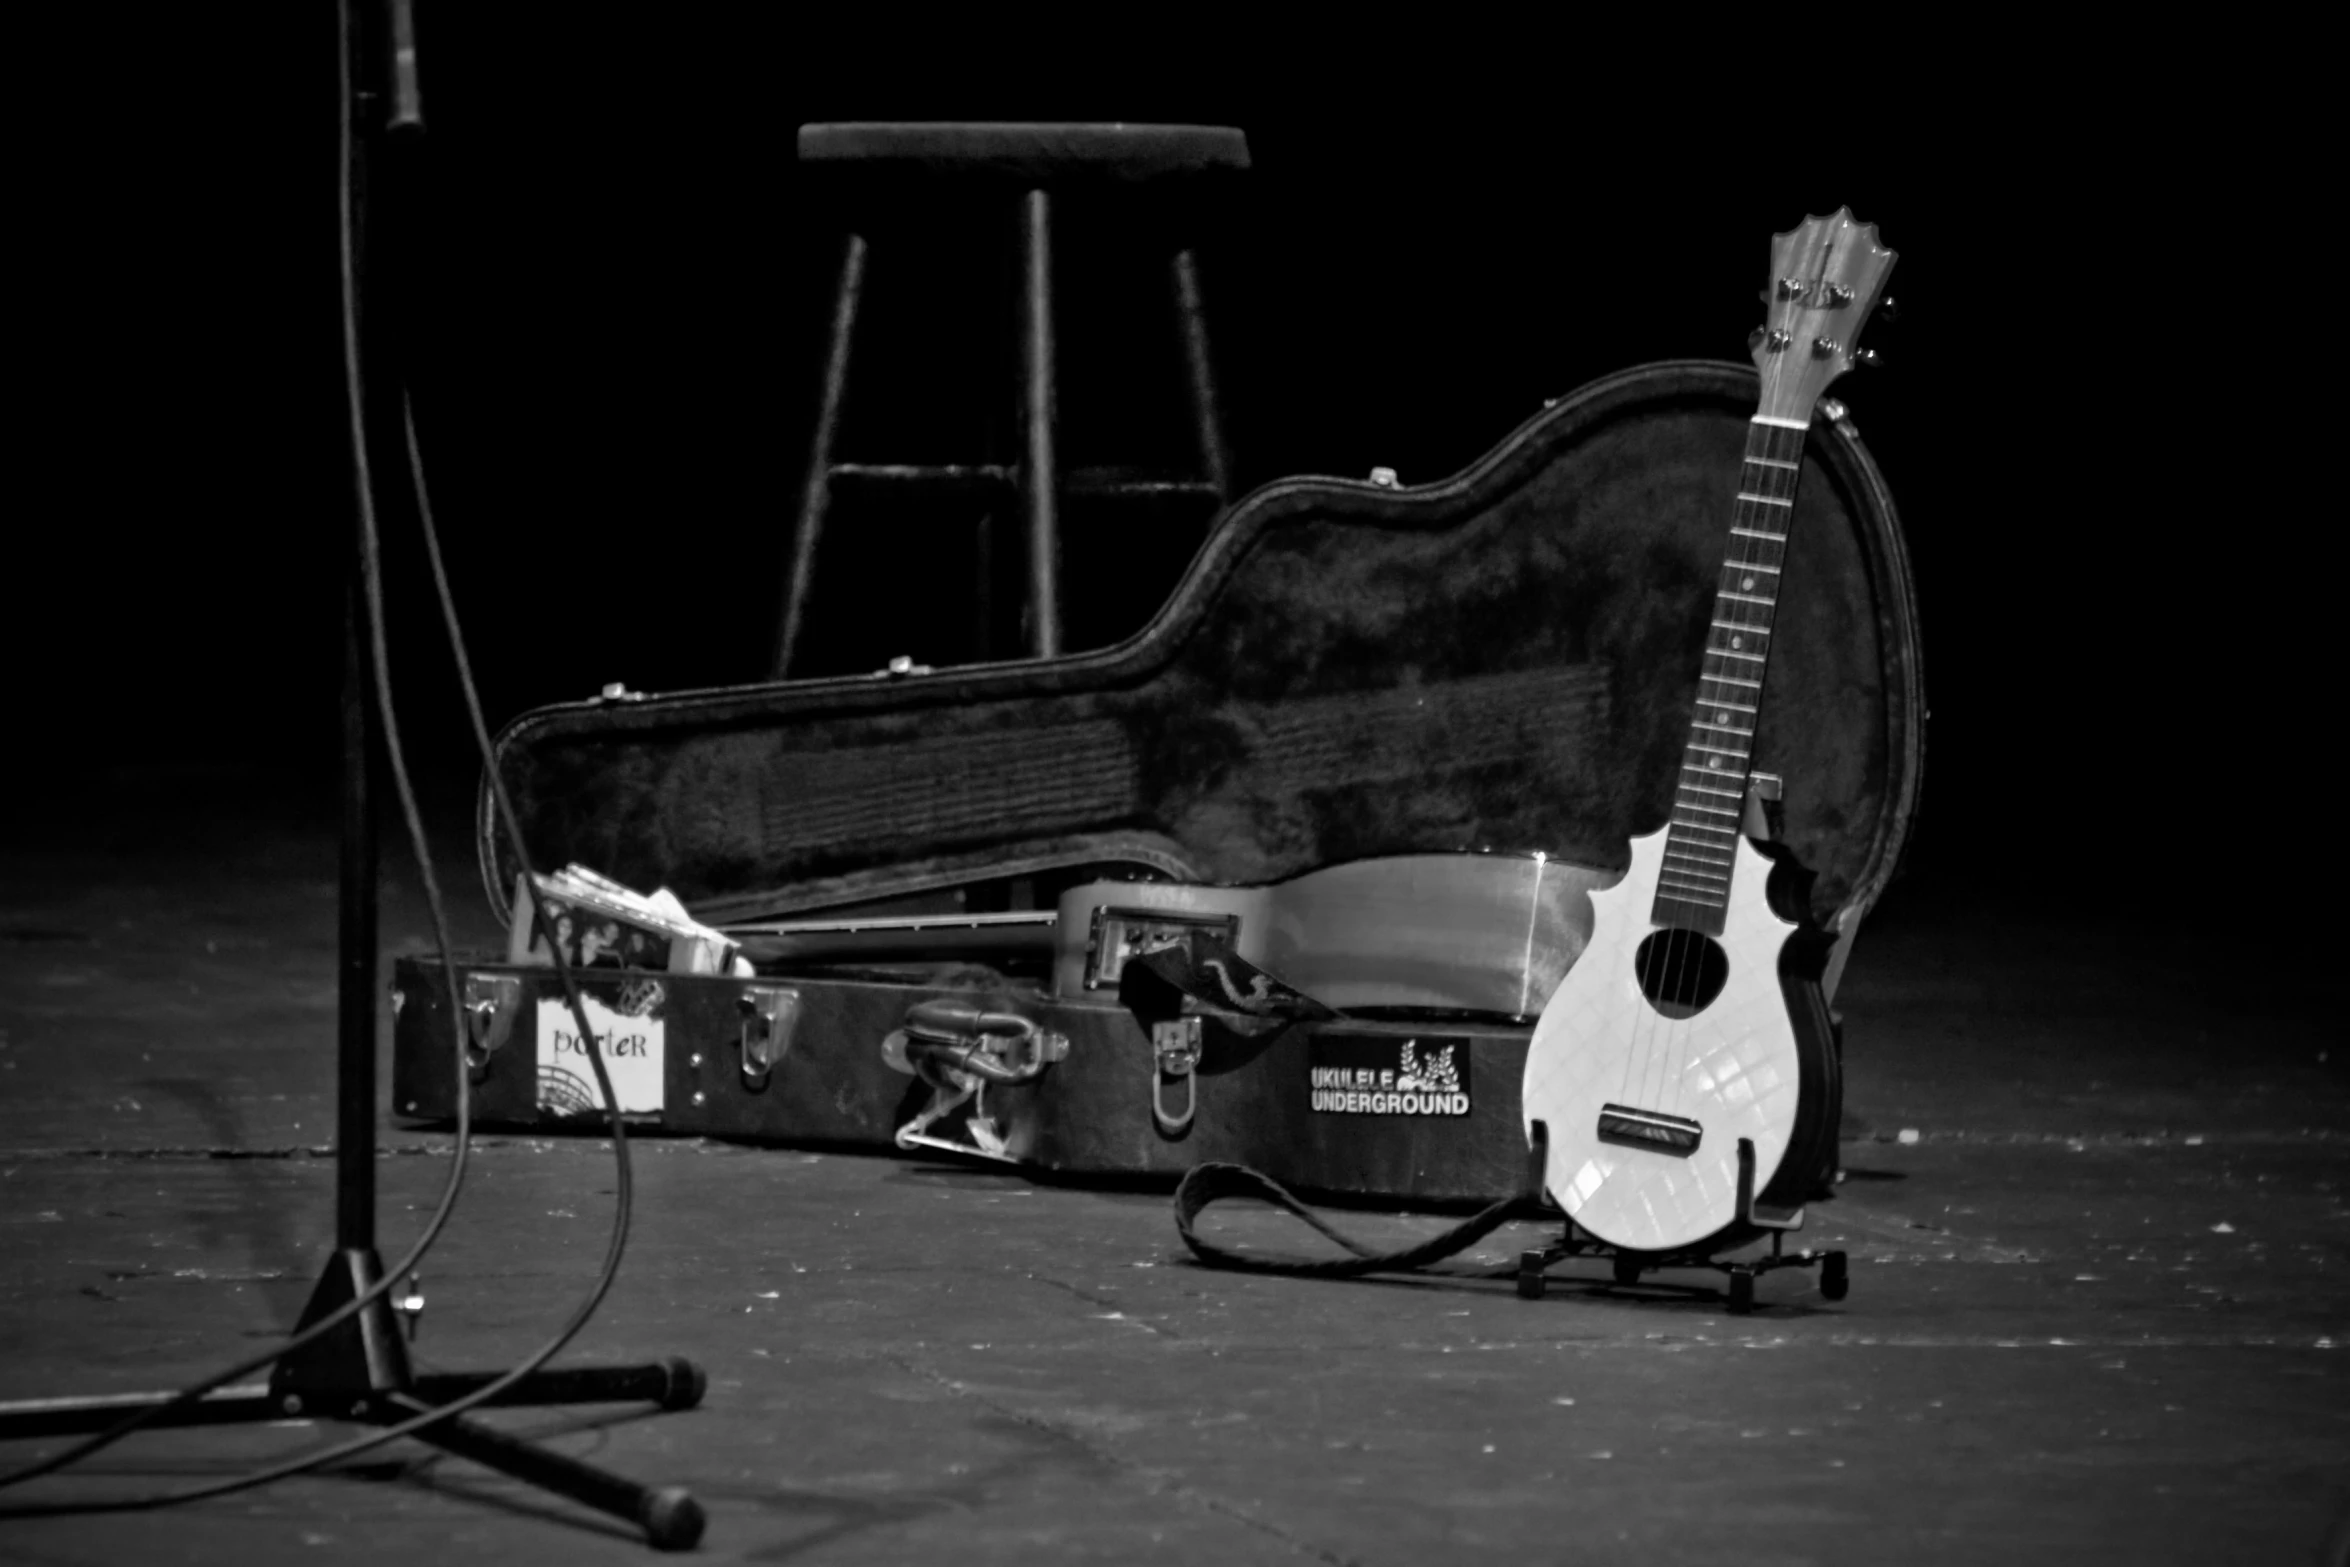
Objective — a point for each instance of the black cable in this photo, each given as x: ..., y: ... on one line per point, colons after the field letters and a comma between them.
x: 454, y: 1182
x: 372, y: 578
x: 625, y: 1198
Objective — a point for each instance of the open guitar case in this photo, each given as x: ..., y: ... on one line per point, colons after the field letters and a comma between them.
x: 1500, y: 662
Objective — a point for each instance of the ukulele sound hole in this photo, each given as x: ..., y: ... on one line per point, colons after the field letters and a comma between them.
x: 1681, y: 971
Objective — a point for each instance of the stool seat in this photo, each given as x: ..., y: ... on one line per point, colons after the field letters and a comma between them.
x: 1029, y: 154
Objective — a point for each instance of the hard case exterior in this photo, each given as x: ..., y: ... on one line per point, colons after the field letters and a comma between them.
x: 1090, y: 1113
x: 1503, y: 660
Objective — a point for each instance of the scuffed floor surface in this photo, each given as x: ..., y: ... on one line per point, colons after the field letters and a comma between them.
x: 2098, y: 1211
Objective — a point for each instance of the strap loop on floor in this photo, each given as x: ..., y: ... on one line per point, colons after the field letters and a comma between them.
x: 1209, y: 1183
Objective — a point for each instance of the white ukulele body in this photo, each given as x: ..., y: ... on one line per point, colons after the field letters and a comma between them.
x: 1684, y: 1073
x: 1734, y: 1069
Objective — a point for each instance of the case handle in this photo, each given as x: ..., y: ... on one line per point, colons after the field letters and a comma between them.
x: 1175, y: 1053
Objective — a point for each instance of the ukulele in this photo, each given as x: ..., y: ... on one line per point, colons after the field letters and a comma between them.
x: 1682, y: 1078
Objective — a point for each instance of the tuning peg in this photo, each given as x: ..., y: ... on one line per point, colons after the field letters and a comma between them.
x: 1888, y: 310
x: 1867, y: 359
x: 1773, y: 338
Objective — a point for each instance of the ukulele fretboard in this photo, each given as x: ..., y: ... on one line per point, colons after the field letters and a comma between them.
x: 1709, y: 803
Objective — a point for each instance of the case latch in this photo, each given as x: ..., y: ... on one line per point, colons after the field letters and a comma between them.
x: 945, y: 1037
x: 771, y: 1017
x: 960, y: 1049
x: 1175, y: 1053
x: 491, y: 1003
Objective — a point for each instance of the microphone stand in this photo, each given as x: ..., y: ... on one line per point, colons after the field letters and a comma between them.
x: 359, y: 1371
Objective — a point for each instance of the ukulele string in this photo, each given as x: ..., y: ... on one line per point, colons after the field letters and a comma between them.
x: 1669, y: 998
x: 1734, y: 562
x: 1639, y: 1024
x: 1669, y: 1002
x: 1633, y: 1090
x: 1690, y: 975
x: 1640, y: 1018
x: 1660, y: 1040
x: 1635, y: 1085
x: 1687, y: 971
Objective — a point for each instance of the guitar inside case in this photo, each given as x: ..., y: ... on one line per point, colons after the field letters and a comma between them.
x: 1503, y: 660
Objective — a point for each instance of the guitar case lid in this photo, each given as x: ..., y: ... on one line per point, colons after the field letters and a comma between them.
x: 1504, y: 660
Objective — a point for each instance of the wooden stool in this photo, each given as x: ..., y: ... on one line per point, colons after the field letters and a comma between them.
x: 1034, y: 161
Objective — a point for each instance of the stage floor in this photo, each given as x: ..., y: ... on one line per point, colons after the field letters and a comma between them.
x: 2098, y: 1212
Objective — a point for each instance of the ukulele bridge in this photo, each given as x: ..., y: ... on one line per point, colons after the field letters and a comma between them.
x: 1649, y: 1129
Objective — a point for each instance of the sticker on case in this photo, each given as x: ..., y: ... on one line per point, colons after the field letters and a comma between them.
x: 629, y: 1034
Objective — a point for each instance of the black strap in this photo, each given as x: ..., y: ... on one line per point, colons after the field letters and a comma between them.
x: 1209, y: 1183
x: 1200, y: 975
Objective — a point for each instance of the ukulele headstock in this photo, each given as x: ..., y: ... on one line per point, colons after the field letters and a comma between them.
x: 1826, y: 276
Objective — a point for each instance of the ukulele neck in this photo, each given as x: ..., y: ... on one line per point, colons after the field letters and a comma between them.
x: 1709, y: 800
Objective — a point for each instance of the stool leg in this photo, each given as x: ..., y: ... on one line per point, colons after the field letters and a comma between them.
x: 1204, y: 411
x: 816, y: 492
x: 1039, y: 478
x: 983, y: 635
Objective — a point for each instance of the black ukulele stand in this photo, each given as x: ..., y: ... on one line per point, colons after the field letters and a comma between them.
x: 1835, y: 1276
x: 1762, y: 822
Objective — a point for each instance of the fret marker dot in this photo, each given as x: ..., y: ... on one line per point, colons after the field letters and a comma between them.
x: 1746, y: 584
x: 1721, y: 718
x: 1713, y: 761
x: 1737, y: 642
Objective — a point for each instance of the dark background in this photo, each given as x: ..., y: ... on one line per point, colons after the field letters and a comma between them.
x: 620, y: 282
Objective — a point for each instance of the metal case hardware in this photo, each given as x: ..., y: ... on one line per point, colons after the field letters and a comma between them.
x: 960, y: 1049
x: 771, y: 1016
x: 491, y: 1003
x: 945, y: 1040
x: 1120, y: 935
x: 1175, y: 1053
